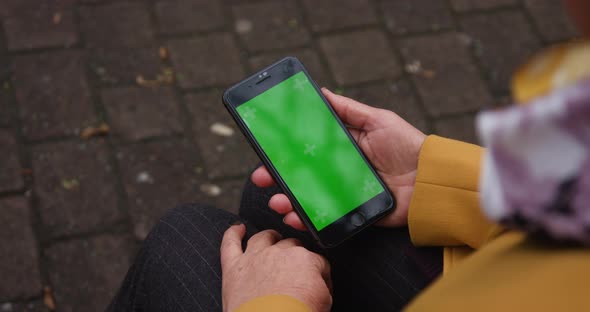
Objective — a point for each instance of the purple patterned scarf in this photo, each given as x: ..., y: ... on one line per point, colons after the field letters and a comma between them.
x: 536, y: 170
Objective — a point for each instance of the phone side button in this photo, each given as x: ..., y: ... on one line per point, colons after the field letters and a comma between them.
x: 357, y: 219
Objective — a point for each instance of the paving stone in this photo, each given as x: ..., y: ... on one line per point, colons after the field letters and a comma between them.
x: 402, y: 17
x: 182, y: 16
x: 337, y: 14
x: 551, y: 19
x: 453, y: 84
x: 74, y: 185
x: 308, y: 57
x: 223, y: 155
x: 394, y: 96
x: 11, y: 175
x: 86, y: 273
x: 6, y: 89
x: 218, y: 62
x: 138, y: 113
x: 229, y: 196
x: 270, y: 25
x: 41, y: 29
x: 157, y: 177
x: 501, y: 51
x: 11, y: 8
x: 360, y: 56
x: 31, y: 306
x: 116, y: 24
x: 123, y: 66
x: 460, y: 128
x: 6, y: 114
x: 19, y: 267
x: 469, y: 5
x: 52, y: 94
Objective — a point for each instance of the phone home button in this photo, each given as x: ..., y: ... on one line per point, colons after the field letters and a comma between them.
x: 357, y: 219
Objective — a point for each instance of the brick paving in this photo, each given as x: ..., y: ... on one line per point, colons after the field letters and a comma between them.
x: 75, y: 209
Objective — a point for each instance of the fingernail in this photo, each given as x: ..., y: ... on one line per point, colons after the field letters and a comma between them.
x: 237, y: 222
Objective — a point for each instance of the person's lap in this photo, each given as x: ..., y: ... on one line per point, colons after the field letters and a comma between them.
x: 178, y: 268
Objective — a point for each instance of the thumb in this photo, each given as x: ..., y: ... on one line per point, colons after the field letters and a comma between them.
x: 352, y: 113
x: 231, y: 245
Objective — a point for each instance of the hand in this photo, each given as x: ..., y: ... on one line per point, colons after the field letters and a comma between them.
x: 272, y: 266
x: 390, y: 143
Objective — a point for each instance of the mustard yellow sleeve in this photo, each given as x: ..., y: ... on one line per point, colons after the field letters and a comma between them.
x: 273, y: 303
x: 444, y: 209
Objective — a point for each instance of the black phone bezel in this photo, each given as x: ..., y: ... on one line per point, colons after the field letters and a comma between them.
x: 343, y: 228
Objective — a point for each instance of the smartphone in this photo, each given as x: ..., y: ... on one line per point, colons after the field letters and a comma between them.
x: 309, y: 152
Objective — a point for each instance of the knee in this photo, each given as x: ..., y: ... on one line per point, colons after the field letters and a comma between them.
x: 188, y: 220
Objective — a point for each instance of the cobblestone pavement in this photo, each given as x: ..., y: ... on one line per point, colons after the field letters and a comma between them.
x: 74, y: 209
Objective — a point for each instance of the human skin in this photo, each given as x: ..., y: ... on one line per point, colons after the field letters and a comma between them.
x: 272, y: 265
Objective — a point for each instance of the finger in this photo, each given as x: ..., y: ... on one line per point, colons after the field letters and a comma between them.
x: 289, y: 242
x: 231, y: 245
x: 262, y: 178
x: 325, y: 270
x: 280, y: 203
x: 263, y: 240
x: 293, y: 220
x: 323, y: 266
x: 353, y: 113
x: 356, y: 133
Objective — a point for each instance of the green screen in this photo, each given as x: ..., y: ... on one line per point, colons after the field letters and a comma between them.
x: 309, y: 149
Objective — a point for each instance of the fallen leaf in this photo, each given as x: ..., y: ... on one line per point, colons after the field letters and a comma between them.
x: 243, y: 26
x: 413, y: 67
x: 142, y: 82
x: 57, y: 18
x: 165, y: 78
x: 198, y: 169
x: 221, y: 129
x: 427, y: 73
x: 144, y: 177
x: 293, y: 23
x: 48, y: 299
x: 211, y: 189
x: 88, y: 132
x: 164, y: 55
x: 70, y: 184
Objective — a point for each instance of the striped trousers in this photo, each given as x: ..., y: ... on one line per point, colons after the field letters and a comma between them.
x: 178, y: 268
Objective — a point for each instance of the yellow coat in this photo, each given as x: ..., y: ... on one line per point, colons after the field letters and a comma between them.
x: 485, y: 267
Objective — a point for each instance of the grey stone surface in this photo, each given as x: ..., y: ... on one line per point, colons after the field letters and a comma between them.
x: 11, y: 176
x: 460, y: 128
x: 125, y: 24
x: 338, y: 14
x: 402, y: 17
x: 75, y: 187
x: 222, y: 155
x: 158, y: 176
x: 52, y: 94
x: 19, y: 264
x: 360, y: 56
x: 501, y: 51
x: 139, y: 113
x: 448, y: 82
x: 270, y: 25
x: 218, y: 62
x: 87, y: 272
x: 41, y: 29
